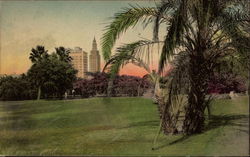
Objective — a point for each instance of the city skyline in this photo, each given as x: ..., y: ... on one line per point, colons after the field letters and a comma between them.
x: 59, y: 23
x: 85, y: 62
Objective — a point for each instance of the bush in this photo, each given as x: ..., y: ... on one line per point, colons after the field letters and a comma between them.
x: 224, y: 83
x: 130, y: 85
x: 123, y: 85
x: 16, y: 88
x: 84, y: 87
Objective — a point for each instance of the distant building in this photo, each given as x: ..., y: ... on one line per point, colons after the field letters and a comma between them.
x: 94, y: 58
x: 79, y: 61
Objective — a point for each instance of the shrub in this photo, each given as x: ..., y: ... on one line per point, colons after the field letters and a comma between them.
x: 123, y: 85
x: 224, y: 83
x: 16, y: 88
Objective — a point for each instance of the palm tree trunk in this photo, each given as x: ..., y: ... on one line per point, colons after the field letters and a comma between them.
x: 194, y: 116
x: 194, y: 113
x: 110, y: 87
x: 139, y: 89
x: 39, y: 93
x: 248, y: 92
x: 167, y: 120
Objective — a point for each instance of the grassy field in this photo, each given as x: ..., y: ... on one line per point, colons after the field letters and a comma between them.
x: 115, y: 126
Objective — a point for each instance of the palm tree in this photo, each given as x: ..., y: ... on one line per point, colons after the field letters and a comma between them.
x: 204, y: 31
x: 38, y: 53
x: 36, y: 56
x: 168, y: 106
x: 63, y: 54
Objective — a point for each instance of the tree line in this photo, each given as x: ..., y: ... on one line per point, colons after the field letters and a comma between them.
x: 49, y: 76
x: 124, y: 85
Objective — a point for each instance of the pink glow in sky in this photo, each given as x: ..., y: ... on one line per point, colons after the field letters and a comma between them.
x: 26, y: 24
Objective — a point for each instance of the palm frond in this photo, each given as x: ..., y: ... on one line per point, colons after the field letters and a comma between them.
x: 124, y: 55
x: 173, y: 37
x: 38, y: 53
x: 140, y: 63
x: 63, y: 54
x: 234, y: 22
x: 163, y: 8
x: 122, y: 21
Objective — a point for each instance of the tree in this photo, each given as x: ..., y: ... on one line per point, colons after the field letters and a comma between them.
x: 16, y: 88
x: 8, y: 88
x: 230, y: 75
x: 63, y: 54
x: 38, y: 74
x: 204, y: 31
x: 59, y: 76
x: 54, y: 74
x: 36, y: 56
x: 38, y: 53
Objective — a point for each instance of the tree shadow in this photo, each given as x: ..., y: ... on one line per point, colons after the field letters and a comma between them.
x: 18, y: 118
x: 106, y: 100
x: 142, y: 123
x: 14, y: 125
x: 227, y: 120
x: 239, y: 121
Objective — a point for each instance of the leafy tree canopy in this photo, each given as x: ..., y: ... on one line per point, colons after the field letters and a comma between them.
x: 54, y: 73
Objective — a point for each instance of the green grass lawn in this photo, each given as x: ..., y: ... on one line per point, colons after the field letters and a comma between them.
x: 115, y: 126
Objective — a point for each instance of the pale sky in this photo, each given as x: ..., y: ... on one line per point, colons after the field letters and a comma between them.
x: 25, y: 24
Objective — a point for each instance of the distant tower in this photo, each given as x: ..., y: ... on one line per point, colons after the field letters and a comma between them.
x: 94, y: 58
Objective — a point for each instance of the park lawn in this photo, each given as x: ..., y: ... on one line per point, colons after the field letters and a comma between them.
x: 115, y: 126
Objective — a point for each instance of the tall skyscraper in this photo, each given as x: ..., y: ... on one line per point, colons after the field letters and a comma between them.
x: 79, y: 61
x: 94, y: 58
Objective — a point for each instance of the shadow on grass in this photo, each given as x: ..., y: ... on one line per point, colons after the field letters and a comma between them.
x: 227, y: 120
x: 142, y: 123
x: 14, y: 125
x: 106, y: 100
x: 238, y: 121
x: 18, y: 118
